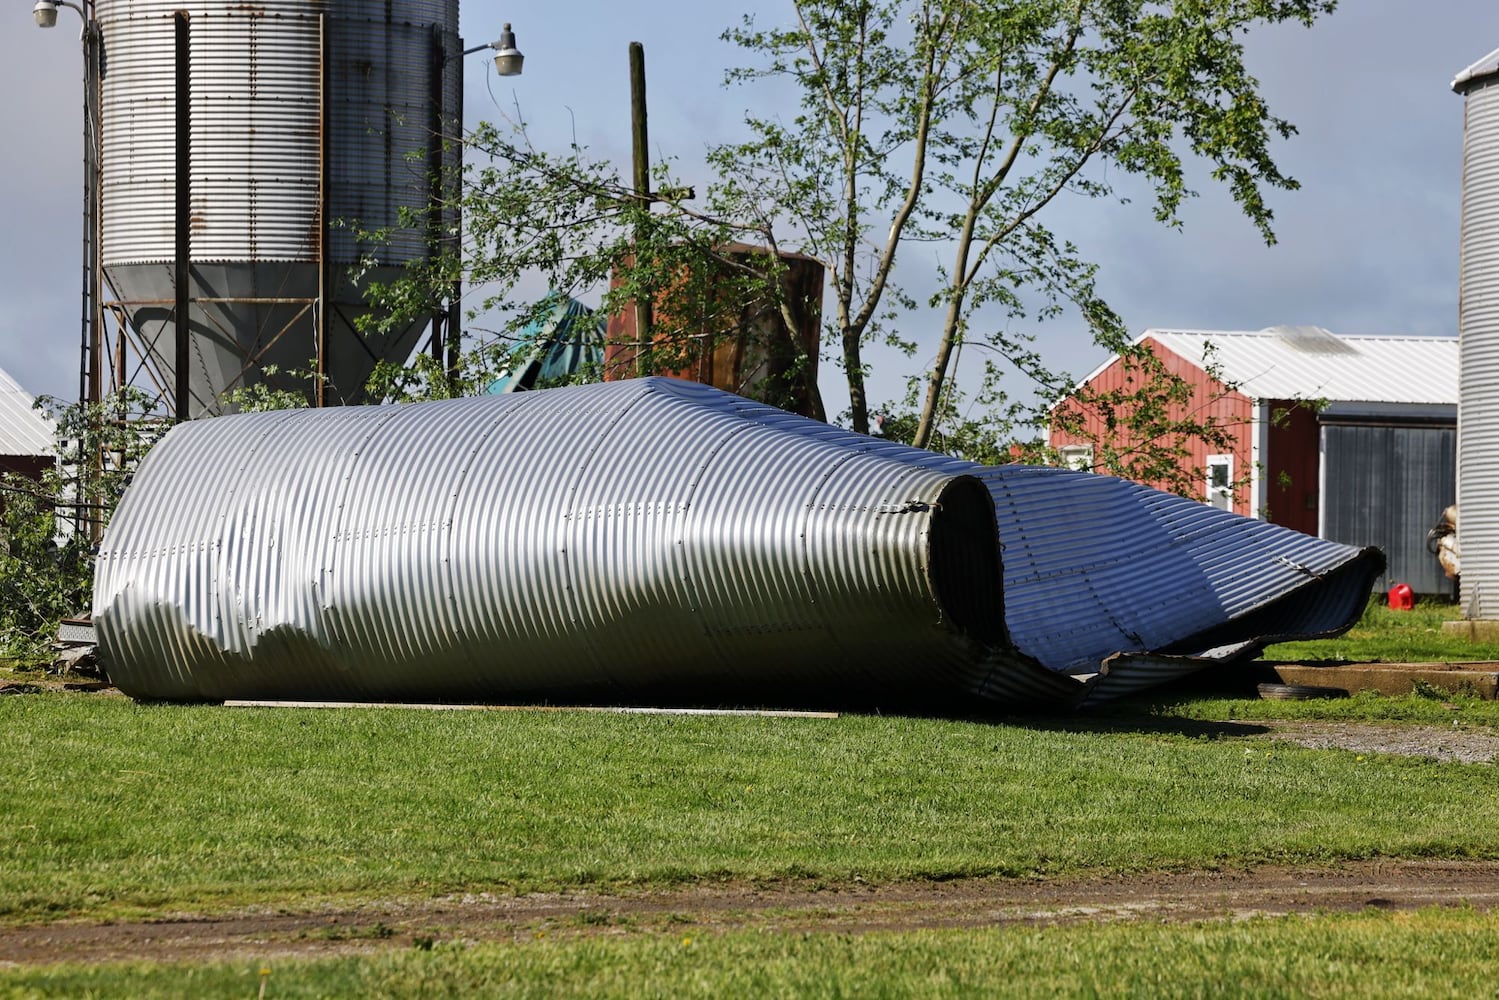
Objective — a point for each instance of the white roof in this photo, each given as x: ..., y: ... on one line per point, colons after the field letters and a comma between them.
x: 23, y: 430
x: 1308, y: 362
x: 1487, y: 66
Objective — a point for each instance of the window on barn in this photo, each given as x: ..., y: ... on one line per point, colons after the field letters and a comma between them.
x: 1220, y: 489
x: 1077, y: 456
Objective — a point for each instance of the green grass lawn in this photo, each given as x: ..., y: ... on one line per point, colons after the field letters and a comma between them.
x: 115, y: 810
x: 1383, y: 635
x: 112, y: 808
x: 1435, y: 708
x: 1433, y: 953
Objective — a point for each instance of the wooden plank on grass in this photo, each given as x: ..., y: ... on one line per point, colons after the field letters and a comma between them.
x: 616, y: 709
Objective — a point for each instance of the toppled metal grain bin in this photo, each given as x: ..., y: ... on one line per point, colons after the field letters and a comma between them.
x: 662, y: 540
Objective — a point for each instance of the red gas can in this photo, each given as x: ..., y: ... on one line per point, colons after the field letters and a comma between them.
x: 1402, y: 598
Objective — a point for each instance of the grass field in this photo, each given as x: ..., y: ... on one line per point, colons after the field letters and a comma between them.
x: 116, y: 811
x: 1437, y: 708
x: 1434, y: 953
x: 1383, y: 635
x: 113, y: 808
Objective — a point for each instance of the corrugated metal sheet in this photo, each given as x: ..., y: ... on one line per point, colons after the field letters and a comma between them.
x: 23, y: 431
x: 662, y: 539
x: 1308, y: 363
x: 255, y: 110
x: 1386, y: 486
x: 1132, y: 673
x: 1478, y: 321
x: 383, y: 113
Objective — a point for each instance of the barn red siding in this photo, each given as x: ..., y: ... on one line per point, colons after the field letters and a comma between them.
x: 1209, y: 399
x: 30, y: 466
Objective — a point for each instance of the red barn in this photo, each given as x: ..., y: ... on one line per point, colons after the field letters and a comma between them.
x: 1352, y: 438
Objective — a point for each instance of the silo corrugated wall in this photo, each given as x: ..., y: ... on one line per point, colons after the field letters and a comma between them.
x: 1478, y: 324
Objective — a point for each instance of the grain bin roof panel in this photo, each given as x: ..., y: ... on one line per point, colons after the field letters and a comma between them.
x: 1096, y: 565
x: 1481, y: 71
x: 655, y: 538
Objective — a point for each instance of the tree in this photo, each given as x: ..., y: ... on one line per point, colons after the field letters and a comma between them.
x: 47, y: 526
x: 960, y: 122
x: 949, y: 124
x: 570, y: 222
x: 1144, y: 427
x: 989, y: 428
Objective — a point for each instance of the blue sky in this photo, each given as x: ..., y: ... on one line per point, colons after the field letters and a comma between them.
x: 1368, y: 245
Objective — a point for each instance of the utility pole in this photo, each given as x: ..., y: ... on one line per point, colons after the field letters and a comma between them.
x: 643, y: 306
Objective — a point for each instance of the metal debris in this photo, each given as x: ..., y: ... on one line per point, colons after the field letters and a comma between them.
x: 656, y: 541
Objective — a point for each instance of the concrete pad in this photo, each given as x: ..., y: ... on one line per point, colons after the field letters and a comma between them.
x: 1473, y: 629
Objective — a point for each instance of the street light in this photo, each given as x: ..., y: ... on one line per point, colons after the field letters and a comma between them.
x: 45, y: 12
x: 90, y: 373
x: 45, y: 15
x: 507, y: 58
x: 507, y: 62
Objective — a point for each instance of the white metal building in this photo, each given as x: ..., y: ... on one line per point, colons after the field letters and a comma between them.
x: 27, y: 438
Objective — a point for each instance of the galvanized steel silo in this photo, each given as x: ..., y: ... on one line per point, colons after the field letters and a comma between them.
x: 294, y: 105
x: 1478, y: 324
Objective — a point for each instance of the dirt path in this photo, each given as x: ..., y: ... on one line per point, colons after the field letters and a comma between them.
x: 847, y: 908
x: 1452, y: 744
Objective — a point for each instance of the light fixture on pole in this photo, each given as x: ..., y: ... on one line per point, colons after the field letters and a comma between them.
x: 507, y: 62
x: 45, y: 12
x: 507, y: 58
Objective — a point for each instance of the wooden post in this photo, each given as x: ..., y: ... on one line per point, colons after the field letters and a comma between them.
x: 638, y: 134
